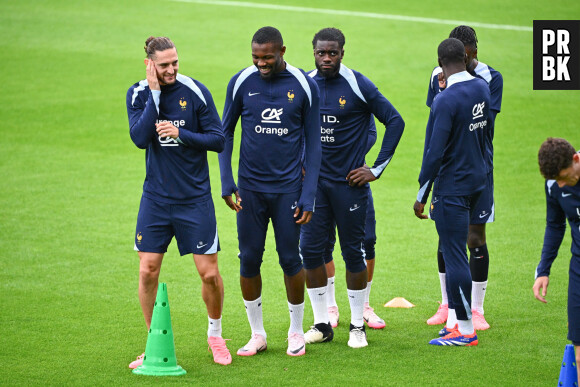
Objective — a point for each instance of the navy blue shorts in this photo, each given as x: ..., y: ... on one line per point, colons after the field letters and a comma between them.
x: 452, y: 214
x: 193, y: 225
x: 347, y: 207
x: 370, y: 234
x: 574, y: 301
x: 484, y: 210
x: 253, y: 219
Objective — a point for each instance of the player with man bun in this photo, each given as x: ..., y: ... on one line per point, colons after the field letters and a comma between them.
x: 173, y: 117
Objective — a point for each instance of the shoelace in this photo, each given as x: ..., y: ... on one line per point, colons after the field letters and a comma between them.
x: 294, y: 339
x: 219, y: 347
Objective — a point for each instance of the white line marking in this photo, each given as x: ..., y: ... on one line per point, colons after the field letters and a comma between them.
x: 371, y: 15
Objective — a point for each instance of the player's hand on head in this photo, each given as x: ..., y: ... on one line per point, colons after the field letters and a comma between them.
x: 360, y: 176
x: 541, y: 283
x: 167, y: 129
x: 234, y: 205
x: 441, y: 80
x: 152, y: 79
x: 419, y: 208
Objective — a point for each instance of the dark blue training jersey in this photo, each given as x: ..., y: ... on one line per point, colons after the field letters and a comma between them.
x: 495, y: 82
x: 561, y: 203
x: 347, y: 105
x: 279, y: 115
x: 176, y: 170
x: 455, y: 144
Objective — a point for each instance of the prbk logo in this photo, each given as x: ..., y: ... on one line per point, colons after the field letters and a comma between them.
x: 272, y: 116
x: 556, y: 54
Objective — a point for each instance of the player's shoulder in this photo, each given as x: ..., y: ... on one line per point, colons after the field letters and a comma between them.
x: 357, y: 76
x: 307, y: 84
x: 195, y: 86
x: 488, y: 73
x: 552, y: 188
x: 138, y: 86
x: 243, y: 76
x: 436, y: 71
x: 361, y: 85
x: 137, y: 90
x: 298, y: 73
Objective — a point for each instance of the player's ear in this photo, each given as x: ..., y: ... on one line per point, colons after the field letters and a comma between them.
x: 282, y: 50
x: 146, y: 61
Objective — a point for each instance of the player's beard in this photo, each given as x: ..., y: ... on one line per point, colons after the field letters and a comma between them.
x: 328, y: 72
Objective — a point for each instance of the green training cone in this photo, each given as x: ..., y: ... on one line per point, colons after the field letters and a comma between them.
x: 160, y: 357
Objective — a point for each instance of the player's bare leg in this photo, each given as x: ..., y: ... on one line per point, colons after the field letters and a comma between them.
x: 149, y: 269
x: 212, y: 286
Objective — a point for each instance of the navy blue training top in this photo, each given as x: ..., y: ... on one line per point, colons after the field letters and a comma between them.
x: 279, y: 116
x: 347, y: 105
x: 494, y: 80
x: 561, y: 203
x: 176, y: 170
x: 454, y: 142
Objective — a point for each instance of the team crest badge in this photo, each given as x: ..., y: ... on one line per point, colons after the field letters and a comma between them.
x: 183, y: 104
x: 290, y: 96
x: 139, y: 237
x: 342, y: 102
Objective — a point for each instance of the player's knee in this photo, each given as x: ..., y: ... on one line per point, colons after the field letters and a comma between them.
x: 148, y: 271
x: 250, y: 263
x: 476, y: 235
x: 370, y: 249
x: 210, y: 277
x: 313, y: 261
x: 290, y: 265
x: 354, y: 264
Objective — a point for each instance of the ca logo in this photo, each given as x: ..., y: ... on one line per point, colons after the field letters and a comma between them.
x: 478, y: 110
x: 272, y: 115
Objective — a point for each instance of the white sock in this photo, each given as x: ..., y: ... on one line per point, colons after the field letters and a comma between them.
x: 214, y: 327
x: 296, y: 317
x: 368, y: 292
x: 451, y: 319
x: 478, y: 295
x: 254, y: 312
x: 443, y: 283
x: 465, y: 327
x: 318, y: 300
x: 330, y: 299
x: 356, y: 299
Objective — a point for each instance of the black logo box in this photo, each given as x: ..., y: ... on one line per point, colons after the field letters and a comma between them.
x: 573, y: 64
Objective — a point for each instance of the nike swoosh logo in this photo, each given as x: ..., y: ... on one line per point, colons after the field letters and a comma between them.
x: 482, y: 216
x: 252, y: 94
x: 293, y: 206
x: 321, y: 294
x: 200, y: 246
x: 298, y: 350
x: 565, y: 195
x: 354, y: 208
x: 435, y: 200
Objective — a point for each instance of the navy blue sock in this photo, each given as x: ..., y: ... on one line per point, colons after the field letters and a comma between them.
x: 479, y: 263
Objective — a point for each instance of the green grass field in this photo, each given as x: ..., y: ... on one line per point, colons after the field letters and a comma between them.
x: 71, y: 180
